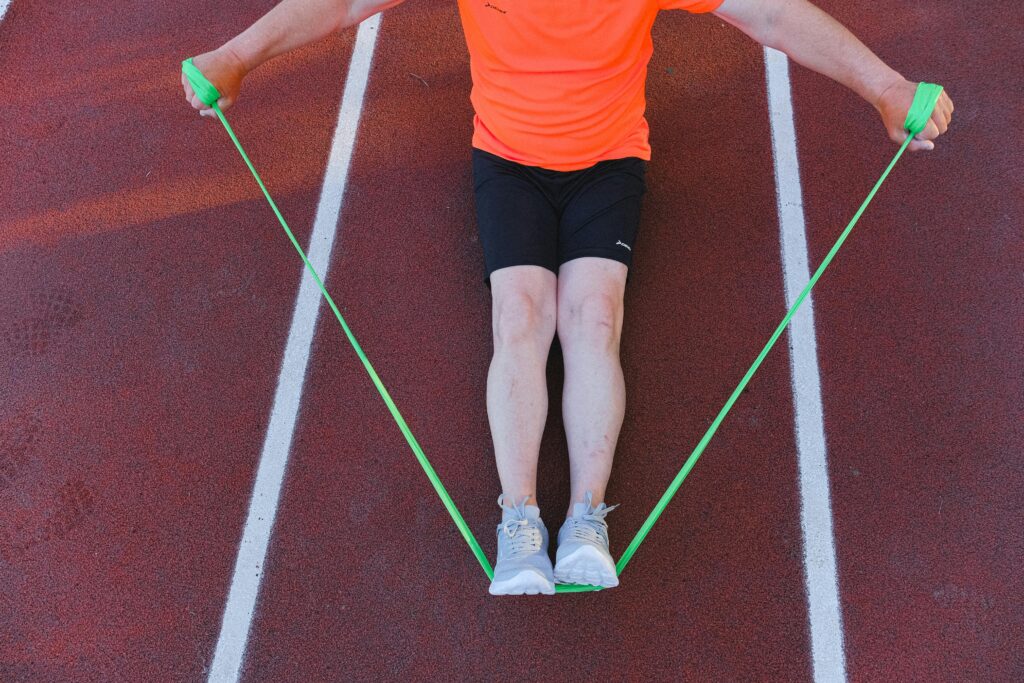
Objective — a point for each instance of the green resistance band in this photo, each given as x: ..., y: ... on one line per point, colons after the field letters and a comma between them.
x: 917, y: 118
x: 925, y: 97
x: 208, y: 93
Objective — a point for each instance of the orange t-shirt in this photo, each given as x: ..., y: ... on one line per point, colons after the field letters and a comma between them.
x: 560, y: 83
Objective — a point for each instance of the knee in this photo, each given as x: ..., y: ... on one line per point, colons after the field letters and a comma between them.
x: 520, y: 318
x: 594, y: 320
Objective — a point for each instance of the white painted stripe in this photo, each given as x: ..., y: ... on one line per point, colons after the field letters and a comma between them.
x: 4, y: 4
x: 252, y: 552
x: 824, y: 611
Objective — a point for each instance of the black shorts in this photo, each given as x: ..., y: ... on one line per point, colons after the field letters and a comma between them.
x: 531, y: 216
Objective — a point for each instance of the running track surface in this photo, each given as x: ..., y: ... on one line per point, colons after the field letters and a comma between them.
x: 146, y: 295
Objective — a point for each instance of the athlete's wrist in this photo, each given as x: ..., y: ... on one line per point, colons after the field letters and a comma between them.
x: 877, y: 85
x: 242, y: 54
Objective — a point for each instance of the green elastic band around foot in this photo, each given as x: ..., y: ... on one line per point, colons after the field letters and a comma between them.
x: 575, y: 588
x: 925, y: 99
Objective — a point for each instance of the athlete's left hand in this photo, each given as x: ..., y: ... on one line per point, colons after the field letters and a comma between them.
x: 893, y: 105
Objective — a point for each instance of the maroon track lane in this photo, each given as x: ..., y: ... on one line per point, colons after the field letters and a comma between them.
x: 921, y: 343
x: 145, y: 296
x: 367, y: 577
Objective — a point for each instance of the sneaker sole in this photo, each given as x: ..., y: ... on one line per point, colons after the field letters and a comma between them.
x: 586, y: 565
x: 526, y: 582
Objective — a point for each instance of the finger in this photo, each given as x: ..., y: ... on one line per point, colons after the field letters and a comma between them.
x: 940, y: 120
x: 944, y: 104
x: 898, y: 135
x: 947, y: 101
x: 930, y: 132
x: 209, y: 113
x: 946, y: 114
x: 921, y: 146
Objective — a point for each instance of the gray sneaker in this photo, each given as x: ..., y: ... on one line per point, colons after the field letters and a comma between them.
x: 583, y: 555
x: 523, y: 565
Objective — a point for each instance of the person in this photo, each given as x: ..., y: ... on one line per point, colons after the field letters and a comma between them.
x: 559, y: 153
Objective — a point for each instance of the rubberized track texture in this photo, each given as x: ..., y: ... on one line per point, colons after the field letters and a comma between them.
x: 145, y: 302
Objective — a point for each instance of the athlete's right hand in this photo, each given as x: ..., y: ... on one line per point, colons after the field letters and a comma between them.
x: 222, y: 68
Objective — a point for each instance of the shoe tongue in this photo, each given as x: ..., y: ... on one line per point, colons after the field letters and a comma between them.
x: 579, y: 509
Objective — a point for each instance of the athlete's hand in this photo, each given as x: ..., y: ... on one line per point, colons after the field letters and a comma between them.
x: 893, y: 105
x: 222, y: 68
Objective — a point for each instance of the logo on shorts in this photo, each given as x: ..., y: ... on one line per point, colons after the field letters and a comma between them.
x: 620, y: 243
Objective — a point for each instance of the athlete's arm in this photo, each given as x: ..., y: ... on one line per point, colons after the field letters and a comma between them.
x: 813, y: 38
x: 289, y: 25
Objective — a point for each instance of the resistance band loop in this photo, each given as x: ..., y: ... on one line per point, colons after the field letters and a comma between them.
x: 920, y: 112
x: 925, y: 99
x: 209, y: 95
x: 917, y: 118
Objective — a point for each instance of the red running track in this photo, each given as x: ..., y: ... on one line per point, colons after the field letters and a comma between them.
x: 410, y: 271
x: 146, y: 297
x: 137, y: 274
x: 921, y: 339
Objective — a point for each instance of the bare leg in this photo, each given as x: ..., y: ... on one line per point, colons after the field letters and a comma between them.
x: 523, y: 302
x: 590, y: 308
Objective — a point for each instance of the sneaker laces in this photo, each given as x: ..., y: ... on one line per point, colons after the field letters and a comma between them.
x: 591, y: 526
x: 524, y: 537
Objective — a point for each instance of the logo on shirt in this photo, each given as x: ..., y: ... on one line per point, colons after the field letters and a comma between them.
x: 620, y: 243
x: 495, y: 7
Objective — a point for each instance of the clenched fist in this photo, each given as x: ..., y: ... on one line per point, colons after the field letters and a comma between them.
x: 222, y: 68
x: 893, y: 105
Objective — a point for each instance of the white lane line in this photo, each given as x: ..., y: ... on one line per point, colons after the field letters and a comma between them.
x: 820, y: 574
x: 4, y: 4
x: 252, y: 551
